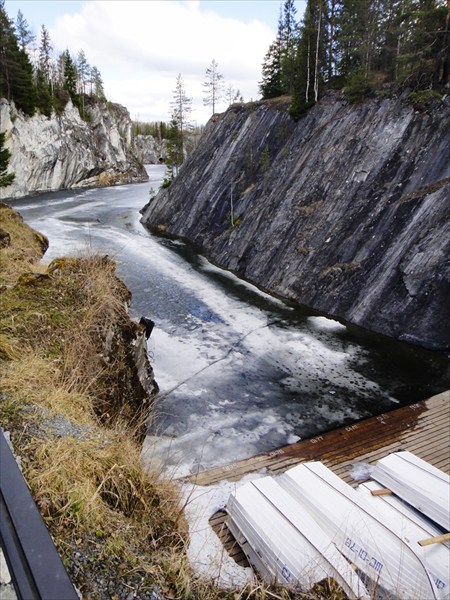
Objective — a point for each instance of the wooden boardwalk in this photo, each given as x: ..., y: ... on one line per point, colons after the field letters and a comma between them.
x: 422, y: 428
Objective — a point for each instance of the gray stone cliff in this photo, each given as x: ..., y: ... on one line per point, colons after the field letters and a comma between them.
x: 149, y: 149
x: 345, y: 211
x: 63, y: 152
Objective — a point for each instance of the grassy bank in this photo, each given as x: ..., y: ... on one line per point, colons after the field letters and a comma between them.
x: 75, y: 413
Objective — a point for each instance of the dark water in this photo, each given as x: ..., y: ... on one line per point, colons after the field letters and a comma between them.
x: 239, y: 371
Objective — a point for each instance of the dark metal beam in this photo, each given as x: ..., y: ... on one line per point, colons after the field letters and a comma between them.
x: 36, y: 568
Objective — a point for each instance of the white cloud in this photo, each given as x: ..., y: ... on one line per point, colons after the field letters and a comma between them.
x: 140, y: 47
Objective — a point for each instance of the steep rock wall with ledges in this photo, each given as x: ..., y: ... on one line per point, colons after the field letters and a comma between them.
x: 65, y: 151
x: 345, y: 211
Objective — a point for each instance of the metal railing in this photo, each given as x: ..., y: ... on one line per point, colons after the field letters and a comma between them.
x: 35, y: 566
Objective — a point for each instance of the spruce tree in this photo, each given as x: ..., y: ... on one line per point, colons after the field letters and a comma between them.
x: 16, y: 73
x: 289, y: 44
x: 24, y: 34
x: 5, y: 177
x: 424, y: 55
x: 70, y: 78
x: 181, y: 109
x: 271, y: 84
x: 44, y: 83
x: 174, y: 152
x: 179, y: 127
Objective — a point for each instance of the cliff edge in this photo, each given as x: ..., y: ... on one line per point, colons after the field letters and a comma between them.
x: 345, y: 211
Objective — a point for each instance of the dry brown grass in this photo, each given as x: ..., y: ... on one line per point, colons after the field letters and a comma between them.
x: 64, y: 334
x: 309, y: 209
x: 25, y: 249
x: 341, y: 268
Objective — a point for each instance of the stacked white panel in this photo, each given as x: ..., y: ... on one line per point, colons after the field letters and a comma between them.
x: 363, y: 534
x: 423, y: 486
x: 266, y: 523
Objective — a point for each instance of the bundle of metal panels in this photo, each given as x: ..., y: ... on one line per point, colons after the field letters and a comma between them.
x: 309, y: 524
x: 376, y: 494
x: 419, y: 483
x: 283, y: 542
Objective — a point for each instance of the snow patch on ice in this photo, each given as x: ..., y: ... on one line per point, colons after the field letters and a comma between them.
x: 325, y: 324
x: 206, y: 553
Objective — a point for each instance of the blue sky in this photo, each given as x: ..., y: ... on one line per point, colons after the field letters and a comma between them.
x: 38, y: 12
x: 140, y: 46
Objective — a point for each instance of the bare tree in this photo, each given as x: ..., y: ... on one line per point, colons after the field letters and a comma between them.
x: 232, y: 95
x: 213, y: 86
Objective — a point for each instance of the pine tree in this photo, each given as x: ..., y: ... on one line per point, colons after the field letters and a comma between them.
x: 16, y: 73
x: 424, y: 56
x: 83, y: 72
x: 45, y: 51
x: 229, y: 94
x: 96, y: 84
x: 5, y: 177
x: 289, y: 44
x: 213, y: 86
x: 24, y: 34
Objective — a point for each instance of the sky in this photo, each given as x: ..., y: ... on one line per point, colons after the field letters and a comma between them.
x: 141, y: 46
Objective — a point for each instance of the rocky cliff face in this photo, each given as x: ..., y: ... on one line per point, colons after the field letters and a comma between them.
x: 345, y: 211
x: 65, y: 151
x: 149, y: 150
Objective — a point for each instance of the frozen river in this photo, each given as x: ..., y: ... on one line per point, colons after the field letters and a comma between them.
x: 239, y: 372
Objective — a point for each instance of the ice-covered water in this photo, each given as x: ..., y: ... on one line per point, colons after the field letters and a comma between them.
x: 240, y: 372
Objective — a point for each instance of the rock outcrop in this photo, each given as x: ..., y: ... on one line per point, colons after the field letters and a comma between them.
x: 345, y: 211
x: 149, y: 150
x: 65, y: 151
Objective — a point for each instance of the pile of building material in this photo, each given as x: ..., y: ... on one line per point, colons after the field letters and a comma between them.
x: 418, y: 483
x: 308, y: 524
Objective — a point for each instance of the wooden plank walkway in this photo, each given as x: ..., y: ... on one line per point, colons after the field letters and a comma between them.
x: 422, y: 428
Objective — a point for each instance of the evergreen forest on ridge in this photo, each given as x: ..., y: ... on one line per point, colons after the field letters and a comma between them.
x: 357, y: 45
